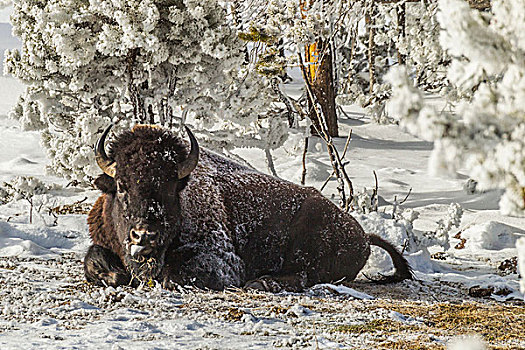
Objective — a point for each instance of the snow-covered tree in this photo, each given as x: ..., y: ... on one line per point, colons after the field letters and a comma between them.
x: 486, y: 134
x: 92, y: 62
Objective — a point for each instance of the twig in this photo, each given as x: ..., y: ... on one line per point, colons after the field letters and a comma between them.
x: 30, y: 200
x: 335, y: 159
x: 408, y: 194
x: 73, y: 183
x: 344, y: 154
x: 291, y: 107
x: 303, y: 175
x: 323, y: 132
x: 375, y: 199
x: 13, y: 216
x: 394, y: 208
x: 396, y: 204
x: 269, y: 162
x: 347, y: 143
x: 405, y: 245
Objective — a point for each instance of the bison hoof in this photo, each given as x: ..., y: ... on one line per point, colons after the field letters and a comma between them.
x: 264, y: 284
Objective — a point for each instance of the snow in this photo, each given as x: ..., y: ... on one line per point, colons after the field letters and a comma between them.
x: 45, y: 302
x: 345, y: 291
x: 467, y: 343
x: 492, y: 236
x: 46, y: 260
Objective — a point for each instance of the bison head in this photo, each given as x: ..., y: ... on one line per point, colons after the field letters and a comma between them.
x: 144, y: 172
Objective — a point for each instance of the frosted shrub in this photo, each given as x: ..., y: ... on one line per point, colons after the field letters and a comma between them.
x: 419, y: 240
x: 28, y: 114
x: 90, y: 63
x: 440, y: 236
x: 364, y: 201
x: 24, y: 188
x: 5, y: 195
x: 424, y: 54
x: 415, y: 44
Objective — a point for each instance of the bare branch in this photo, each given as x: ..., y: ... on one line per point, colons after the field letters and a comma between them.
x: 406, y: 197
x: 269, y: 162
x: 344, y: 164
x: 303, y: 175
x: 375, y: 197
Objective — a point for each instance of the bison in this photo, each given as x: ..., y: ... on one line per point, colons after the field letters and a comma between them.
x: 190, y: 216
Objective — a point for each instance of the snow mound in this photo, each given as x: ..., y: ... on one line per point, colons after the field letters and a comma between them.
x: 316, y: 172
x: 491, y: 235
x: 467, y: 343
x: 343, y: 290
x: 34, y: 240
x: 20, y: 247
x: 19, y: 161
x: 396, y: 232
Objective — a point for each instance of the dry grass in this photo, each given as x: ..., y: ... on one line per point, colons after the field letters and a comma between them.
x: 497, y: 324
x: 380, y: 325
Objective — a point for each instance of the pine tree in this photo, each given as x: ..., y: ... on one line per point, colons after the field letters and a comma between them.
x: 91, y: 62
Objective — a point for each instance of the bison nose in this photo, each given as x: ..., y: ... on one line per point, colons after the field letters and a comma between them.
x: 142, y: 237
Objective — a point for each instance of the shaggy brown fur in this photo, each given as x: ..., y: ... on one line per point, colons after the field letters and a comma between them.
x: 226, y: 225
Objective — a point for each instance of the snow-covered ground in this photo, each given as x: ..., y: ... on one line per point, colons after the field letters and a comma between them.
x: 44, y: 301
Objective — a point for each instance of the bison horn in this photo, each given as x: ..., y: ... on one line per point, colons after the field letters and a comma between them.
x: 104, y: 162
x: 187, y: 166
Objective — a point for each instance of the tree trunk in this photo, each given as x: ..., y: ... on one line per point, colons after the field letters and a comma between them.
x: 401, y: 18
x: 370, y: 23
x: 319, y: 58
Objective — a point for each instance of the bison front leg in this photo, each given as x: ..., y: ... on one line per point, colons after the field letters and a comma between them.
x: 104, y: 268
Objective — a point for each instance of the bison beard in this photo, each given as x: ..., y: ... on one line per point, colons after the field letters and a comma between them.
x: 222, y: 225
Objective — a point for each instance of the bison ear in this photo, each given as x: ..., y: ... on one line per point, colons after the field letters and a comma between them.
x: 106, y: 184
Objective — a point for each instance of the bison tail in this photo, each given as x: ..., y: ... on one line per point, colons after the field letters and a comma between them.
x: 403, y: 270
